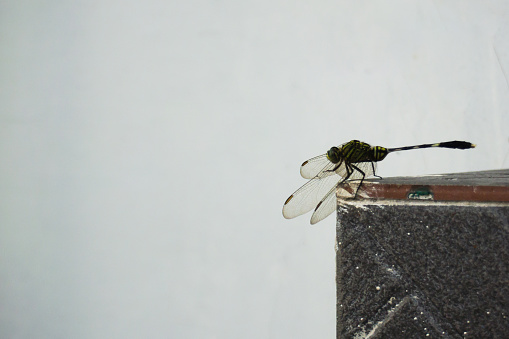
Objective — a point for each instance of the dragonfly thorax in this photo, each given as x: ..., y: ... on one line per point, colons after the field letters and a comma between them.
x: 356, y: 151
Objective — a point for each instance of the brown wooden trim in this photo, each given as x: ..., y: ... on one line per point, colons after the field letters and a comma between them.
x: 437, y: 192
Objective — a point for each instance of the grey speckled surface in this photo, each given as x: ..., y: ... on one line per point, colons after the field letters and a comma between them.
x: 423, y: 271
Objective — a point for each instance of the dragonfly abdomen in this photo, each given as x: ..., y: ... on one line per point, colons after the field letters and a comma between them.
x: 379, y: 153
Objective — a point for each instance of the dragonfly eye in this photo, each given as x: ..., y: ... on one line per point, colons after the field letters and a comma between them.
x: 334, y: 155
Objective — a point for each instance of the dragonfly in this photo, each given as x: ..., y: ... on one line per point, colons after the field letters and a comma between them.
x: 342, y: 170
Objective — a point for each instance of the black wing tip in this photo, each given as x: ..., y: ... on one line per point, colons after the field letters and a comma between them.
x: 458, y: 144
x: 289, y: 198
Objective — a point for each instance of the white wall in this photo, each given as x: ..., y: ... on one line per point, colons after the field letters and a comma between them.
x: 147, y: 148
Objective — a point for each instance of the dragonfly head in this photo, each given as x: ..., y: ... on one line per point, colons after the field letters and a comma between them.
x: 334, y: 155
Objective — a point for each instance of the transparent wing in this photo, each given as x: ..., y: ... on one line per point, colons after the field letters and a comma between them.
x: 312, y: 167
x: 319, y: 192
x: 346, y: 190
x: 308, y: 196
x: 369, y: 169
x: 328, y: 204
x: 320, y: 166
x: 315, y: 166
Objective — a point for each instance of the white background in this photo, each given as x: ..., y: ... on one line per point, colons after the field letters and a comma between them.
x: 147, y: 148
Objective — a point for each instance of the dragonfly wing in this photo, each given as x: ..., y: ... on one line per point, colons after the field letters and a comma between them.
x: 315, y: 166
x: 308, y: 196
x: 368, y: 168
x: 321, y: 167
x: 325, y: 207
x: 328, y: 204
x: 312, y: 167
x: 318, y: 193
x: 349, y: 188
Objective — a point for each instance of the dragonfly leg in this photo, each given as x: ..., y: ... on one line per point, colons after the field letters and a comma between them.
x: 335, y: 167
x: 349, y: 172
x: 374, y: 174
x: 363, y: 176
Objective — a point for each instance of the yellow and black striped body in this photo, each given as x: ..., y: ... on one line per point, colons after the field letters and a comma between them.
x: 356, y: 151
x: 448, y: 144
